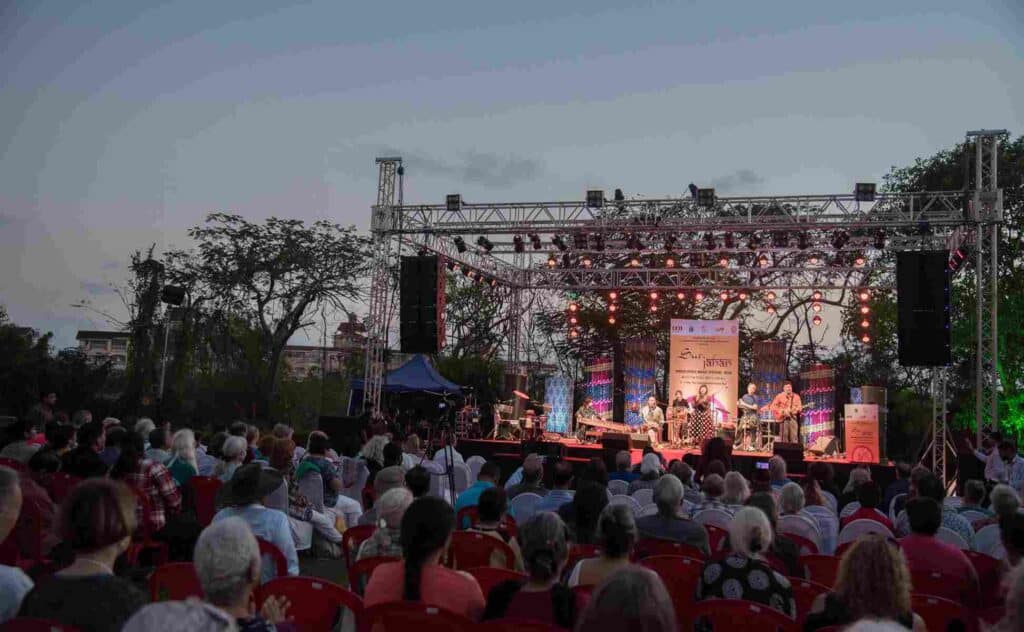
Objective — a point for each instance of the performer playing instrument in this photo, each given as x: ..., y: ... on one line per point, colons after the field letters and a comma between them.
x: 748, y: 417
x: 677, y: 418
x: 653, y: 419
x: 585, y: 411
x: 702, y: 425
x: 786, y: 408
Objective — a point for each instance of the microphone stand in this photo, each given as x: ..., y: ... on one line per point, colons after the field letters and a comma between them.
x: 447, y: 439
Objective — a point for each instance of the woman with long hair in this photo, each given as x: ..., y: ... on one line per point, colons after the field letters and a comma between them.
x: 426, y: 531
x: 873, y: 583
x: 182, y: 464
x: 702, y: 426
x: 618, y: 536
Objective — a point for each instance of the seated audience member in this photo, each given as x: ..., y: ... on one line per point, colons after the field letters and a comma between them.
x: 159, y: 445
x: 560, y: 493
x: 791, y: 499
x: 715, y: 449
x: 182, y: 465
x: 112, y: 447
x: 617, y: 535
x: 1011, y: 534
x: 1013, y: 620
x: 650, y: 472
x: 426, y: 529
x: 533, y: 478
x: 581, y: 515
x: 84, y: 461
x: 387, y: 539
x: 232, y: 457
x: 38, y: 513
x: 412, y: 452
x: 80, y: 417
x: 974, y: 496
x: 20, y: 448
x: 1003, y: 501
x: 316, y: 461
x: 713, y: 487
x: 594, y: 471
x: 826, y: 477
x: 97, y: 520
x: 668, y: 524
x: 143, y: 427
x: 684, y: 473
x: 623, y: 468
x: 542, y: 597
x: 744, y: 571
x: 491, y: 511
x: 784, y: 549
x: 184, y: 616
x: 716, y: 467
x: 812, y: 493
x: 372, y: 452
x: 930, y: 487
x: 14, y: 583
x: 391, y: 477
x: 736, y: 492
x: 633, y: 598
x: 777, y: 472
x: 926, y: 553
x: 252, y: 439
x: 868, y: 495
x: 858, y: 476
x: 417, y: 480
x: 265, y: 445
x: 242, y: 497
x: 489, y: 476
x: 899, y: 486
x: 873, y: 583
x: 227, y: 562
x: 210, y: 458
x: 392, y: 454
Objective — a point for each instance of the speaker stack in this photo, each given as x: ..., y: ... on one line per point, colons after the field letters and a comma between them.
x: 922, y: 300
x: 421, y: 309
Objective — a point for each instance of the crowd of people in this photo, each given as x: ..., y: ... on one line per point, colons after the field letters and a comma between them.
x: 77, y: 495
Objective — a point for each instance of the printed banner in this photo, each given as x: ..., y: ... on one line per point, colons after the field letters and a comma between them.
x: 706, y: 352
x: 862, y: 432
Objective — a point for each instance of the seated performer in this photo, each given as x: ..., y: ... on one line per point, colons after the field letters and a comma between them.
x: 585, y: 411
x: 677, y: 418
x: 653, y: 419
x: 748, y: 417
x: 786, y: 408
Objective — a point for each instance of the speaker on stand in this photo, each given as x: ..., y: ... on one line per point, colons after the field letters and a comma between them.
x: 421, y: 304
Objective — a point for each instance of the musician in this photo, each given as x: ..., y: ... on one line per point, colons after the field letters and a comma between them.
x: 585, y: 411
x: 703, y: 423
x: 748, y: 417
x: 653, y: 418
x: 677, y: 418
x: 786, y: 408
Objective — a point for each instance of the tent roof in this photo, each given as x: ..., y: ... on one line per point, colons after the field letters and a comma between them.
x: 415, y: 375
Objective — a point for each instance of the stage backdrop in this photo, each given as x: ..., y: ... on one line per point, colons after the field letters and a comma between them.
x: 861, y: 423
x: 558, y: 393
x: 706, y: 352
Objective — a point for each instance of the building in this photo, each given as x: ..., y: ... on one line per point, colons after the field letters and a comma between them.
x: 101, y: 346
x: 305, y: 360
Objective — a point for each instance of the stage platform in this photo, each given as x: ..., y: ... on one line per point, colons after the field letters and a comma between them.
x: 510, y: 455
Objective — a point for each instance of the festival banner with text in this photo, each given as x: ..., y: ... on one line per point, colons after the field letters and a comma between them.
x: 706, y: 352
x: 861, y: 423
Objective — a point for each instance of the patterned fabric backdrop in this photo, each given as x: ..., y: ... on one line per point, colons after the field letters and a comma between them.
x: 599, y: 385
x: 818, y: 388
x: 558, y: 393
x: 639, y: 357
x: 769, y: 372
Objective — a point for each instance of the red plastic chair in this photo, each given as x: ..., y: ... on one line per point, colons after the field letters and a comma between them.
x: 15, y: 465
x: 718, y: 539
x: 204, y: 496
x: 822, y: 569
x: 804, y: 593
x: 583, y: 593
x: 61, y: 484
x: 515, y: 625
x: 647, y: 547
x: 467, y: 518
x: 488, y: 577
x: 359, y: 574
x: 935, y: 584
x: 401, y: 616
x: 470, y: 550
x: 807, y: 546
x: 176, y: 581
x: 938, y: 613
x: 30, y: 624
x: 992, y: 615
x: 314, y: 601
x: 733, y: 614
x: 579, y: 552
x: 843, y: 548
x: 776, y: 563
x: 989, y: 571
x: 280, y: 563
x: 680, y: 576
x: 352, y: 539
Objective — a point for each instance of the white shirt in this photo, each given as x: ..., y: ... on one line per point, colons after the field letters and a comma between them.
x: 1011, y: 473
x: 14, y: 585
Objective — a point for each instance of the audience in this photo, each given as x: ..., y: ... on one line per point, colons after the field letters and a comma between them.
x: 873, y: 582
x: 899, y: 486
x: 412, y: 452
x: 387, y: 539
x: 1013, y: 619
x: 744, y: 574
x: 20, y: 448
x: 316, y: 460
x: 858, y: 476
x: 84, y: 461
x: 633, y: 599
x: 232, y: 457
x: 143, y: 427
x: 777, y: 472
x: 227, y: 562
x: 182, y: 465
x: 623, y: 468
x: 650, y: 472
x: 736, y: 492
x: 489, y: 476
x: 491, y: 511
x: 391, y: 477
x: 111, y: 450
x: 159, y: 445
x: 618, y: 534
x: 791, y: 499
x: 1011, y: 535
x: 560, y: 493
x: 417, y: 479
x: 210, y: 457
x: 14, y: 583
x: 1003, y: 502
x: 926, y: 553
x: 668, y: 524
x: 252, y: 439
x: 182, y: 616
x: 973, y: 498
x: 713, y: 488
x: 533, y: 478
x: 928, y: 486
x: 97, y: 520
x: 785, y: 550
x: 425, y: 532
x: 868, y: 495
x: 594, y: 471
x: 152, y: 480
x: 582, y: 513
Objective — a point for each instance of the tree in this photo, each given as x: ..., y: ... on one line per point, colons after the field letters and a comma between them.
x: 264, y: 282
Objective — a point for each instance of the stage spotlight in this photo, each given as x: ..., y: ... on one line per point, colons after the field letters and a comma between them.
x: 865, y: 338
x: 579, y: 240
x: 517, y: 244
x: 816, y: 295
x: 453, y: 202
x: 595, y: 198
x: 753, y: 242
x: 573, y: 307
x: 670, y: 261
x: 635, y: 261
x: 706, y: 197
x: 814, y: 260
x: 864, y: 192
x: 654, y: 296
x: 816, y: 320
x: 611, y: 320
x: 730, y: 241
x: 460, y: 243
x: 863, y: 295
x: 762, y: 261
x: 839, y: 239
x: 574, y: 333
x: 770, y: 308
x: 743, y: 296
x: 573, y: 320
x: 484, y: 243
x: 586, y: 261
x: 613, y: 307
x: 709, y: 241
x: 816, y: 307
x: 724, y: 296
x: 880, y: 240
x: 559, y: 242
x: 699, y: 296
x: 865, y: 323
x: 613, y: 295
x: 552, y: 262
x: 670, y: 241
x: 724, y: 262
x: 654, y: 307
x: 803, y: 241
x: 864, y: 309
x: 535, y: 240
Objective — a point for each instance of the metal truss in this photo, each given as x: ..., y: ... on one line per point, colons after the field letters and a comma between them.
x: 941, y: 445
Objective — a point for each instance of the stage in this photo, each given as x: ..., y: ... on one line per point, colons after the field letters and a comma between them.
x: 510, y: 455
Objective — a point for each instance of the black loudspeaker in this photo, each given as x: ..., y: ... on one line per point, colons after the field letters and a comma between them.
x: 922, y: 299
x: 421, y: 311
x: 615, y: 441
x: 791, y: 452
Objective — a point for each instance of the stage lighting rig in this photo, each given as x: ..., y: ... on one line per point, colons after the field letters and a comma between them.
x: 840, y: 239
x: 518, y: 244
x: 723, y: 295
x: 879, y: 241
x: 803, y: 241
x: 460, y: 243
x: 566, y: 261
x: 709, y: 241
x: 699, y: 296
x: 452, y: 266
x: 633, y: 242
x: 770, y: 308
x: 706, y: 198
x: 580, y: 241
x: 670, y: 241
x: 859, y: 261
x: 599, y: 242
x: 742, y: 295
x: 453, y: 202
x: 595, y: 198
x: 816, y: 320
x: 681, y: 296
x: 484, y: 243
x: 770, y: 295
x: 780, y: 239
x: 613, y: 295
x: 586, y: 261
x: 724, y: 262
x: 670, y: 261
x: 535, y: 241
x: 753, y: 242
x: 816, y: 296
x: 762, y: 261
x: 634, y: 261
x: 559, y: 243
x: 552, y: 261
x: 730, y: 241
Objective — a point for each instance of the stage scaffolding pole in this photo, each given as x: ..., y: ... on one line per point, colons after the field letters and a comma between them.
x: 939, y: 423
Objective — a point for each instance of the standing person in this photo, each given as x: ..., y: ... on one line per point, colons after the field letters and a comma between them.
x: 748, y: 418
x: 45, y: 411
x: 316, y: 461
x: 159, y: 442
x: 1005, y: 465
x: 702, y: 425
x: 786, y: 408
x: 84, y: 461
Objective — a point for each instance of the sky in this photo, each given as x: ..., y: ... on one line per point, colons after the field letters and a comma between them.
x: 124, y: 123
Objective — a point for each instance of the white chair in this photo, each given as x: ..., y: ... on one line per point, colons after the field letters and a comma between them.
x: 628, y: 501
x: 949, y: 536
x: 355, y: 490
x: 716, y: 517
x: 644, y: 496
x: 828, y: 526
x: 892, y: 507
x: 514, y: 479
x: 474, y: 463
x: 524, y: 505
x: 973, y: 516
x: 952, y: 502
x: 311, y: 485
x: 462, y: 476
x: 987, y: 539
x: 278, y: 499
x: 802, y: 526
x: 688, y: 507
x: 648, y: 510
x: 830, y: 500
x: 859, y: 528
x: 849, y: 510
x: 618, y: 488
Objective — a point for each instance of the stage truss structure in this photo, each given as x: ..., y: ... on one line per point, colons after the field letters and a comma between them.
x: 512, y: 244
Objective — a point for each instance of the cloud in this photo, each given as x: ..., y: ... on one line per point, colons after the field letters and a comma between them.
x: 475, y: 167
x: 741, y: 179
x: 96, y: 289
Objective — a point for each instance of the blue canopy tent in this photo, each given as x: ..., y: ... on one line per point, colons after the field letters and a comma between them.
x: 415, y: 376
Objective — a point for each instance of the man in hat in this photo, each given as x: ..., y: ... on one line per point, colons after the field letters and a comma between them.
x: 242, y: 497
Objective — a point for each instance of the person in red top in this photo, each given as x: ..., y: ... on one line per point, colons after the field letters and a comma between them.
x: 925, y: 553
x: 426, y: 531
x: 869, y: 495
x: 149, y: 477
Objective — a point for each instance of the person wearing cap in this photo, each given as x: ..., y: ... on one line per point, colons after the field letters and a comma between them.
x: 391, y: 477
x: 242, y: 497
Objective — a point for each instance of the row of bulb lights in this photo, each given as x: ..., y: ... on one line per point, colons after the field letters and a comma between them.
x: 863, y: 309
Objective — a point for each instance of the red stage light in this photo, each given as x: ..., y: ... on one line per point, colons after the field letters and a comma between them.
x: 864, y: 295
x: 654, y: 308
x: 724, y: 262
x: 816, y: 307
x: 859, y: 261
x: 611, y: 320
x: 635, y: 262
x: 865, y: 323
x: 573, y: 320
x: 724, y: 296
x: 743, y: 296
x: 654, y: 296
x: 770, y: 309
x: 816, y: 295
x: 865, y: 338
x: 574, y: 334
x: 573, y: 307
x: 699, y: 296
x: 586, y: 262
x: 613, y: 307
x: 770, y: 296
x: 613, y: 295
x: 816, y: 320
x: 813, y: 260
x: 864, y: 309
x: 552, y: 262
x: 680, y: 295
x: 762, y: 261
x: 670, y: 262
